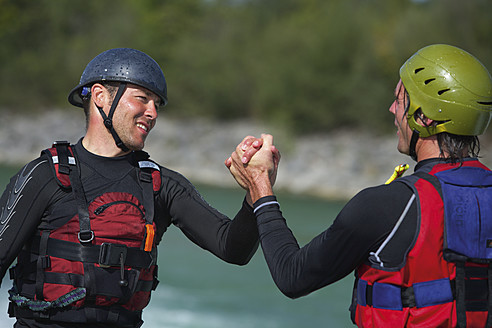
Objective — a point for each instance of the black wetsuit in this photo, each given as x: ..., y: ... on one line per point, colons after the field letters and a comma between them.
x: 360, y: 228
x: 30, y: 195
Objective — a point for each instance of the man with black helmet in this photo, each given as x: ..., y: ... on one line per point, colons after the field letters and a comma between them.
x: 119, y: 70
x: 84, y: 220
x: 420, y: 245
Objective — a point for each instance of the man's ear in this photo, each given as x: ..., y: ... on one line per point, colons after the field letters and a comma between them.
x: 99, y: 95
x: 427, y: 121
x: 423, y: 120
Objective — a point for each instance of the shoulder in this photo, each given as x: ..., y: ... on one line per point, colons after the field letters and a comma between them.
x: 174, y: 177
x: 171, y: 180
x: 382, y: 195
x: 34, y: 175
x: 39, y: 168
x: 176, y: 184
x: 378, y: 206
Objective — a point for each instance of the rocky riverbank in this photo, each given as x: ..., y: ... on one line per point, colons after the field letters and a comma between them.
x: 335, y: 165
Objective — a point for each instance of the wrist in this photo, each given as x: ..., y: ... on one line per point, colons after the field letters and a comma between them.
x: 248, y: 199
x: 260, y: 188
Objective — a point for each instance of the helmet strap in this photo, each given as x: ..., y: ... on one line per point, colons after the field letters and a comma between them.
x: 413, y: 144
x: 108, y: 120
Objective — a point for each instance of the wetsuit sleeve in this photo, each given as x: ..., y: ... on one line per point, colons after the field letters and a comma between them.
x: 21, y: 207
x: 359, y: 228
x: 234, y: 241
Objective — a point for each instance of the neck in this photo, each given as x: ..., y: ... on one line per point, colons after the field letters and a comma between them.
x: 99, y: 141
x: 106, y: 148
x: 428, y: 148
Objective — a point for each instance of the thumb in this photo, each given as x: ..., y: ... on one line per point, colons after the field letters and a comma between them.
x: 228, y: 162
x: 267, y: 140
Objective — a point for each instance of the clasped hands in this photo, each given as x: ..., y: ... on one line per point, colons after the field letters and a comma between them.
x: 254, y: 166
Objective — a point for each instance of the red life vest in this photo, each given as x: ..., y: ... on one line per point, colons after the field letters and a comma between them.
x: 101, y: 265
x: 429, y: 290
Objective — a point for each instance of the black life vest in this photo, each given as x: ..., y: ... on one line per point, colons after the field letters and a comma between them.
x: 101, y: 265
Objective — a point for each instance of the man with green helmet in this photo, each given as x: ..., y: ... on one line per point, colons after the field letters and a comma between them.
x: 449, y: 87
x: 85, y: 220
x: 420, y: 245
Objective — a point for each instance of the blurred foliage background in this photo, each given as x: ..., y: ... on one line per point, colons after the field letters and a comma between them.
x: 306, y: 65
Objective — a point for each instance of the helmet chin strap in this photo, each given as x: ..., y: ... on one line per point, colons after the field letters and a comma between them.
x: 108, y: 120
x: 413, y: 143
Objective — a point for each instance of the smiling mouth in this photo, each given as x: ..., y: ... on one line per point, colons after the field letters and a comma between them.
x: 143, y: 127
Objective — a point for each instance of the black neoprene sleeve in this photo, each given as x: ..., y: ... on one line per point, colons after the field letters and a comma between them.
x: 359, y: 228
x: 234, y: 241
x: 22, y: 205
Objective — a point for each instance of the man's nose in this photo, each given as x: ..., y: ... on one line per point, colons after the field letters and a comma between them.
x: 151, y: 111
x: 392, y: 108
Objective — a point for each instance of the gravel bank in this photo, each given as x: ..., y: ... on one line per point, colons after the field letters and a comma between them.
x: 337, y: 165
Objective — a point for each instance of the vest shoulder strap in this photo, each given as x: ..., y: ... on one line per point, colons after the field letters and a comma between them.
x: 61, y: 160
x: 148, y: 166
x: 61, y: 157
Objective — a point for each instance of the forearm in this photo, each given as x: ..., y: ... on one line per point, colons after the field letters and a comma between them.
x: 298, y: 271
x: 279, y: 246
x: 242, y: 239
x: 233, y: 241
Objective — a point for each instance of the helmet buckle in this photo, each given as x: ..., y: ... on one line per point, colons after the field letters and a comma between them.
x: 108, y: 123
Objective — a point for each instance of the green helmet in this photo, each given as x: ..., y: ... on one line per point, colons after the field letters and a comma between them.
x: 451, y: 86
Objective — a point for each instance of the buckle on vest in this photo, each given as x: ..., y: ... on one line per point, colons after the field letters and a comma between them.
x: 110, y: 254
x: 86, y: 237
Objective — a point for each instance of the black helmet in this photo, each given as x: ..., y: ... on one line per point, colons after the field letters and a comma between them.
x: 121, y: 65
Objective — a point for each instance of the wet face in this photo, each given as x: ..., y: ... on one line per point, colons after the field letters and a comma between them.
x: 397, y: 108
x: 135, y: 116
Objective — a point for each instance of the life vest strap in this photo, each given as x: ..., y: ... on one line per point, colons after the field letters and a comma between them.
x: 64, y: 160
x: 392, y: 297
x: 489, y: 316
x: 41, y: 263
x: 107, y: 254
x: 460, y: 295
x: 106, y: 287
x: 116, y: 315
x: 428, y: 293
x: 63, y: 149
